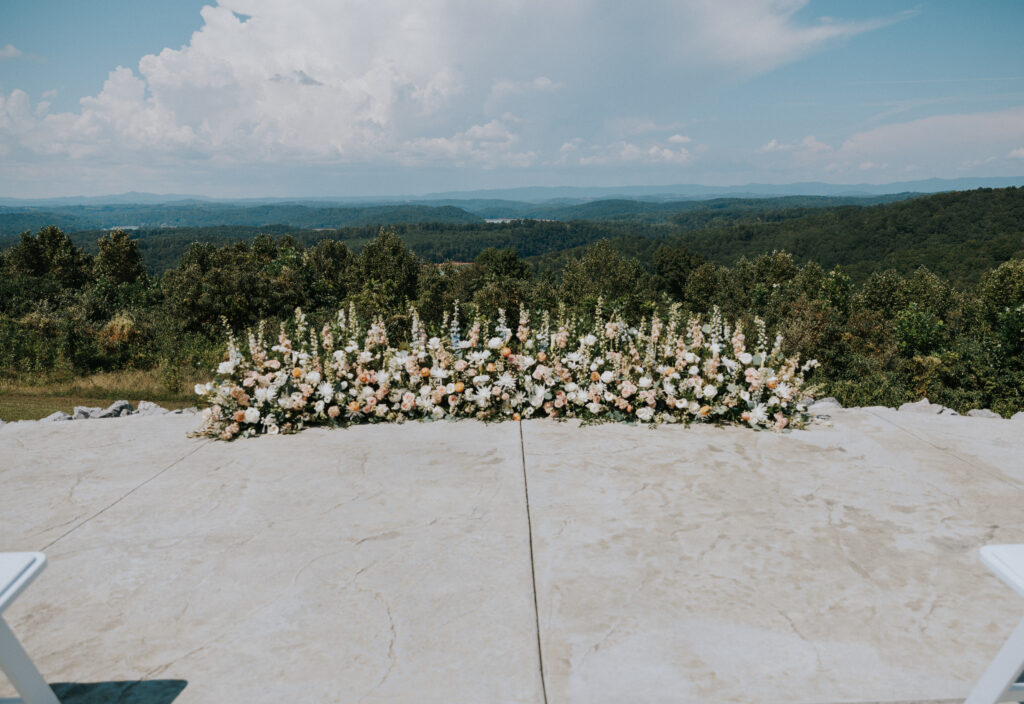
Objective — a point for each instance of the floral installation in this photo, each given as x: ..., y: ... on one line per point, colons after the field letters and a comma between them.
x: 600, y: 369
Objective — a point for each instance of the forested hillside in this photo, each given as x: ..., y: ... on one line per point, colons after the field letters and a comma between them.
x: 956, y: 234
x: 936, y: 306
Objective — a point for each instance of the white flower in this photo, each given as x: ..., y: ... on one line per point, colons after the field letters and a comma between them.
x: 272, y: 429
x: 227, y: 367
x: 313, y: 378
x: 759, y: 414
x: 715, y: 348
x: 481, y: 380
x: 607, y: 377
x: 589, y: 340
x: 784, y: 390
x: 645, y: 413
x: 570, y: 387
x: 745, y: 358
x: 527, y: 362
x: 326, y: 390
x: 261, y: 395
x: 710, y: 391
x: 438, y: 412
x: 609, y: 397
x: 644, y: 382
x: 506, y: 381
x: 537, y: 396
x: 694, y: 371
x: 594, y: 407
x: 365, y: 357
x: 251, y: 415
x: 433, y: 343
x: 319, y: 406
x: 200, y: 389
x: 477, y: 358
x: 495, y: 342
x: 339, y: 356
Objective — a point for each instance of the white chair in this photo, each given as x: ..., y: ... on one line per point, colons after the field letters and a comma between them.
x: 17, y: 570
x: 999, y: 683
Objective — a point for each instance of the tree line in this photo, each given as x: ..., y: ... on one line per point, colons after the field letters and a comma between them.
x: 889, y: 338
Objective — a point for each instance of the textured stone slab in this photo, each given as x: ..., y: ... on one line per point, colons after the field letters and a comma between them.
x: 721, y: 565
x: 380, y: 564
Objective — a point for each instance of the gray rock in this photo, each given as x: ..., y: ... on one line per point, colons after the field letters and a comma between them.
x: 982, y: 413
x: 148, y: 408
x: 926, y: 406
x: 117, y: 408
x: 82, y: 412
x: 56, y: 416
x: 190, y: 411
x: 824, y: 405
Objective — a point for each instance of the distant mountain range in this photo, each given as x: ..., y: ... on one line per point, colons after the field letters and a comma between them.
x: 553, y: 195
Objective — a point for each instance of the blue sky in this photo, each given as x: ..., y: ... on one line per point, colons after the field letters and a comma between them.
x: 337, y: 97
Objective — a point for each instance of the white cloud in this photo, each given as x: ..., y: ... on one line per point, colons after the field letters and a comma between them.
x: 488, y: 145
x: 755, y: 36
x: 939, y: 144
x: 809, y: 144
x: 679, y: 139
x: 9, y: 51
x: 340, y: 81
x: 625, y: 152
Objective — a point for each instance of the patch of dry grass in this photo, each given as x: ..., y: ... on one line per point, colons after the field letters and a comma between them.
x: 26, y: 399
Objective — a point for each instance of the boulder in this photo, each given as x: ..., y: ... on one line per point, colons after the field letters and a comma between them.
x: 148, y: 408
x: 982, y: 413
x: 926, y: 406
x: 117, y: 408
x: 57, y: 416
x: 82, y: 412
x: 824, y: 405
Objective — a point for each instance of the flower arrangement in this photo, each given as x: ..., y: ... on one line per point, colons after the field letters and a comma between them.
x: 670, y: 371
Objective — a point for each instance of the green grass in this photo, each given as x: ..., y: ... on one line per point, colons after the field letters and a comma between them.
x: 33, y: 399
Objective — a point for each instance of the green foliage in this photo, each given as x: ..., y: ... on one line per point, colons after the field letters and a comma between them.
x: 884, y: 336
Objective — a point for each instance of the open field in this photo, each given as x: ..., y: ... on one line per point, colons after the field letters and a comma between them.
x: 22, y: 400
x: 542, y: 561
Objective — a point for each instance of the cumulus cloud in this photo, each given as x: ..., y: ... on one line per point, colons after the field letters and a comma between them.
x: 810, y: 144
x: 626, y: 152
x: 930, y: 143
x: 9, y: 51
x: 346, y: 82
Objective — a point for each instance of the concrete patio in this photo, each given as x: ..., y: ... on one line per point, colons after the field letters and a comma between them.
x: 406, y: 563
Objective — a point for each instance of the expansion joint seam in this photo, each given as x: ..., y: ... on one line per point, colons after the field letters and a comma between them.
x: 121, y: 498
x: 533, y: 568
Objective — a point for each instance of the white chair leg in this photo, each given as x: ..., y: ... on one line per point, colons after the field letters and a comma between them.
x: 997, y: 684
x: 21, y: 672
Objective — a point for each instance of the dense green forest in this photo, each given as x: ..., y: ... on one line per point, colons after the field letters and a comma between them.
x: 898, y: 301
x: 958, y: 235
x: 300, y: 216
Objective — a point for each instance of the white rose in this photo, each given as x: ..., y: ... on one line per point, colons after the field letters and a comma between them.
x: 645, y: 413
x: 745, y: 358
x: 589, y: 340
x: 313, y: 378
x: 252, y: 415
x: 644, y: 382
x: 710, y: 391
x: 226, y: 367
x: 495, y: 342
x: 200, y: 389
x: 607, y: 377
